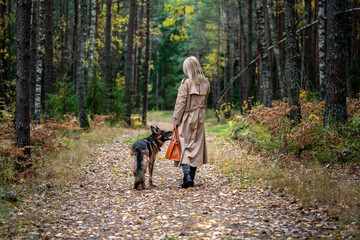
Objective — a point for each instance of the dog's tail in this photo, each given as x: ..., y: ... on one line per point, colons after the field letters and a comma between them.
x: 139, y: 167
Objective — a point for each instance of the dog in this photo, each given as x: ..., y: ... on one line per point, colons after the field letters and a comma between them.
x: 143, y: 155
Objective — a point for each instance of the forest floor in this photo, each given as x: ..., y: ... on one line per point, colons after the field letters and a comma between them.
x: 103, y: 204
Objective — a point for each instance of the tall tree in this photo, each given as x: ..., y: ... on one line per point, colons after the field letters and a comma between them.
x: 322, y: 47
x: 218, y: 80
x: 146, y: 64
x: 264, y: 62
x: 140, y: 47
x: 62, y: 38
x: 107, y: 61
x: 290, y: 61
x: 276, y: 49
x: 335, y: 93
x: 49, y: 49
x: 74, y: 60
x: 249, y: 42
x: 33, y: 46
x: 84, y: 122
x: 92, y: 39
x: 39, y: 63
x: 227, y: 62
x: 129, y: 60
x: 22, y: 115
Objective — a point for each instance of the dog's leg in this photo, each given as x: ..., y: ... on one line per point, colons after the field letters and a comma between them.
x: 151, y: 168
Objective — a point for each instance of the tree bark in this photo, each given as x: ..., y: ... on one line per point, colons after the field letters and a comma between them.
x: 92, y: 40
x: 335, y: 93
x: 227, y: 63
x: 290, y: 61
x: 84, y: 122
x: 138, y: 76
x: 218, y: 80
x: 39, y: 63
x: 129, y: 61
x: 147, y: 63
x: 322, y: 48
x: 33, y: 49
x: 107, y: 61
x: 74, y: 67
x: 22, y: 112
x: 264, y: 61
x: 276, y: 49
x: 49, y: 49
x: 62, y: 39
x: 248, y: 77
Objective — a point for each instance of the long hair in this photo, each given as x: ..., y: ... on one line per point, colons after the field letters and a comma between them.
x: 192, y: 69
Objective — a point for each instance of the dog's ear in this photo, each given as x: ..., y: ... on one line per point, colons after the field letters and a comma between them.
x: 157, y: 128
x: 153, y: 130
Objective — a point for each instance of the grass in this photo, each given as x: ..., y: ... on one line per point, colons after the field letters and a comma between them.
x: 55, y: 170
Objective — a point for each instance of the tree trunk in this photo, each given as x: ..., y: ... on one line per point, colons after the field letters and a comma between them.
x: 264, y: 62
x: 92, y: 40
x: 107, y: 61
x: 135, y: 48
x: 49, y: 49
x: 129, y: 60
x: 290, y: 61
x: 74, y: 66
x: 39, y: 63
x: 218, y: 80
x: 22, y: 114
x: 33, y: 49
x: 84, y: 122
x: 227, y: 63
x: 62, y: 39
x: 248, y: 76
x: 322, y: 47
x: 335, y: 93
x: 276, y: 49
x: 240, y: 50
x: 146, y: 64
x: 138, y: 72
x: 3, y: 52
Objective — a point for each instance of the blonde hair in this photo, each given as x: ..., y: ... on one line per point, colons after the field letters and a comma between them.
x: 192, y: 69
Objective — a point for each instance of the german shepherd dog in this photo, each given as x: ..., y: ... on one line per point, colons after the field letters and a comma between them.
x: 143, y: 155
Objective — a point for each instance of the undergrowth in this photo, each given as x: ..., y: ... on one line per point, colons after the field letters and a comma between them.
x: 59, y: 149
x: 309, y: 161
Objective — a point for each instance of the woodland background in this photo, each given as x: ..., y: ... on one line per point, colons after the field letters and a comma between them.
x: 284, y: 75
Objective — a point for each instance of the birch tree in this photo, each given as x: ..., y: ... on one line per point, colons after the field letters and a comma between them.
x: 39, y: 63
x: 322, y: 47
x: 22, y: 112
x: 92, y: 40
x: 84, y: 122
x: 290, y: 60
x: 264, y: 62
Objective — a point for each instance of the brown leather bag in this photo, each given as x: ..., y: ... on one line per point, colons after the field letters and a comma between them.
x: 173, y: 151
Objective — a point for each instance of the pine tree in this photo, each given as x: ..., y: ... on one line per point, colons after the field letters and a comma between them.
x: 129, y: 60
x: 146, y: 64
x: 22, y: 114
x: 84, y: 122
x: 290, y: 61
x: 335, y: 93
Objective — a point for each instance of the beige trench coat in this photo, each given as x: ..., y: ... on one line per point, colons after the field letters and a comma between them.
x: 190, y: 117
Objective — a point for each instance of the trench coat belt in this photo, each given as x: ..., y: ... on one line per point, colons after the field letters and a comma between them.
x: 202, y: 106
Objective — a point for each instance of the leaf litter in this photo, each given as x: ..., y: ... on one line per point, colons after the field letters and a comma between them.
x: 104, y: 205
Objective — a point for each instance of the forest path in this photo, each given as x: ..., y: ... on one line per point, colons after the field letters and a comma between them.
x: 104, y: 205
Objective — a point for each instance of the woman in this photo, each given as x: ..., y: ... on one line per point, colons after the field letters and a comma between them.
x: 189, y: 117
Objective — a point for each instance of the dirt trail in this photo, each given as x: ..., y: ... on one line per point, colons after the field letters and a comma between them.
x: 105, y: 207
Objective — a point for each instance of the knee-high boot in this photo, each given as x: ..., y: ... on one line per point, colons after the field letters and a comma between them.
x: 187, y: 181
x: 192, y: 172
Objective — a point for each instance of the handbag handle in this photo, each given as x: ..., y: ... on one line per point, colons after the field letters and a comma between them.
x: 175, y: 135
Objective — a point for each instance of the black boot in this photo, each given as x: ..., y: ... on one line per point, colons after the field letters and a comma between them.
x: 187, y: 181
x: 192, y: 172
